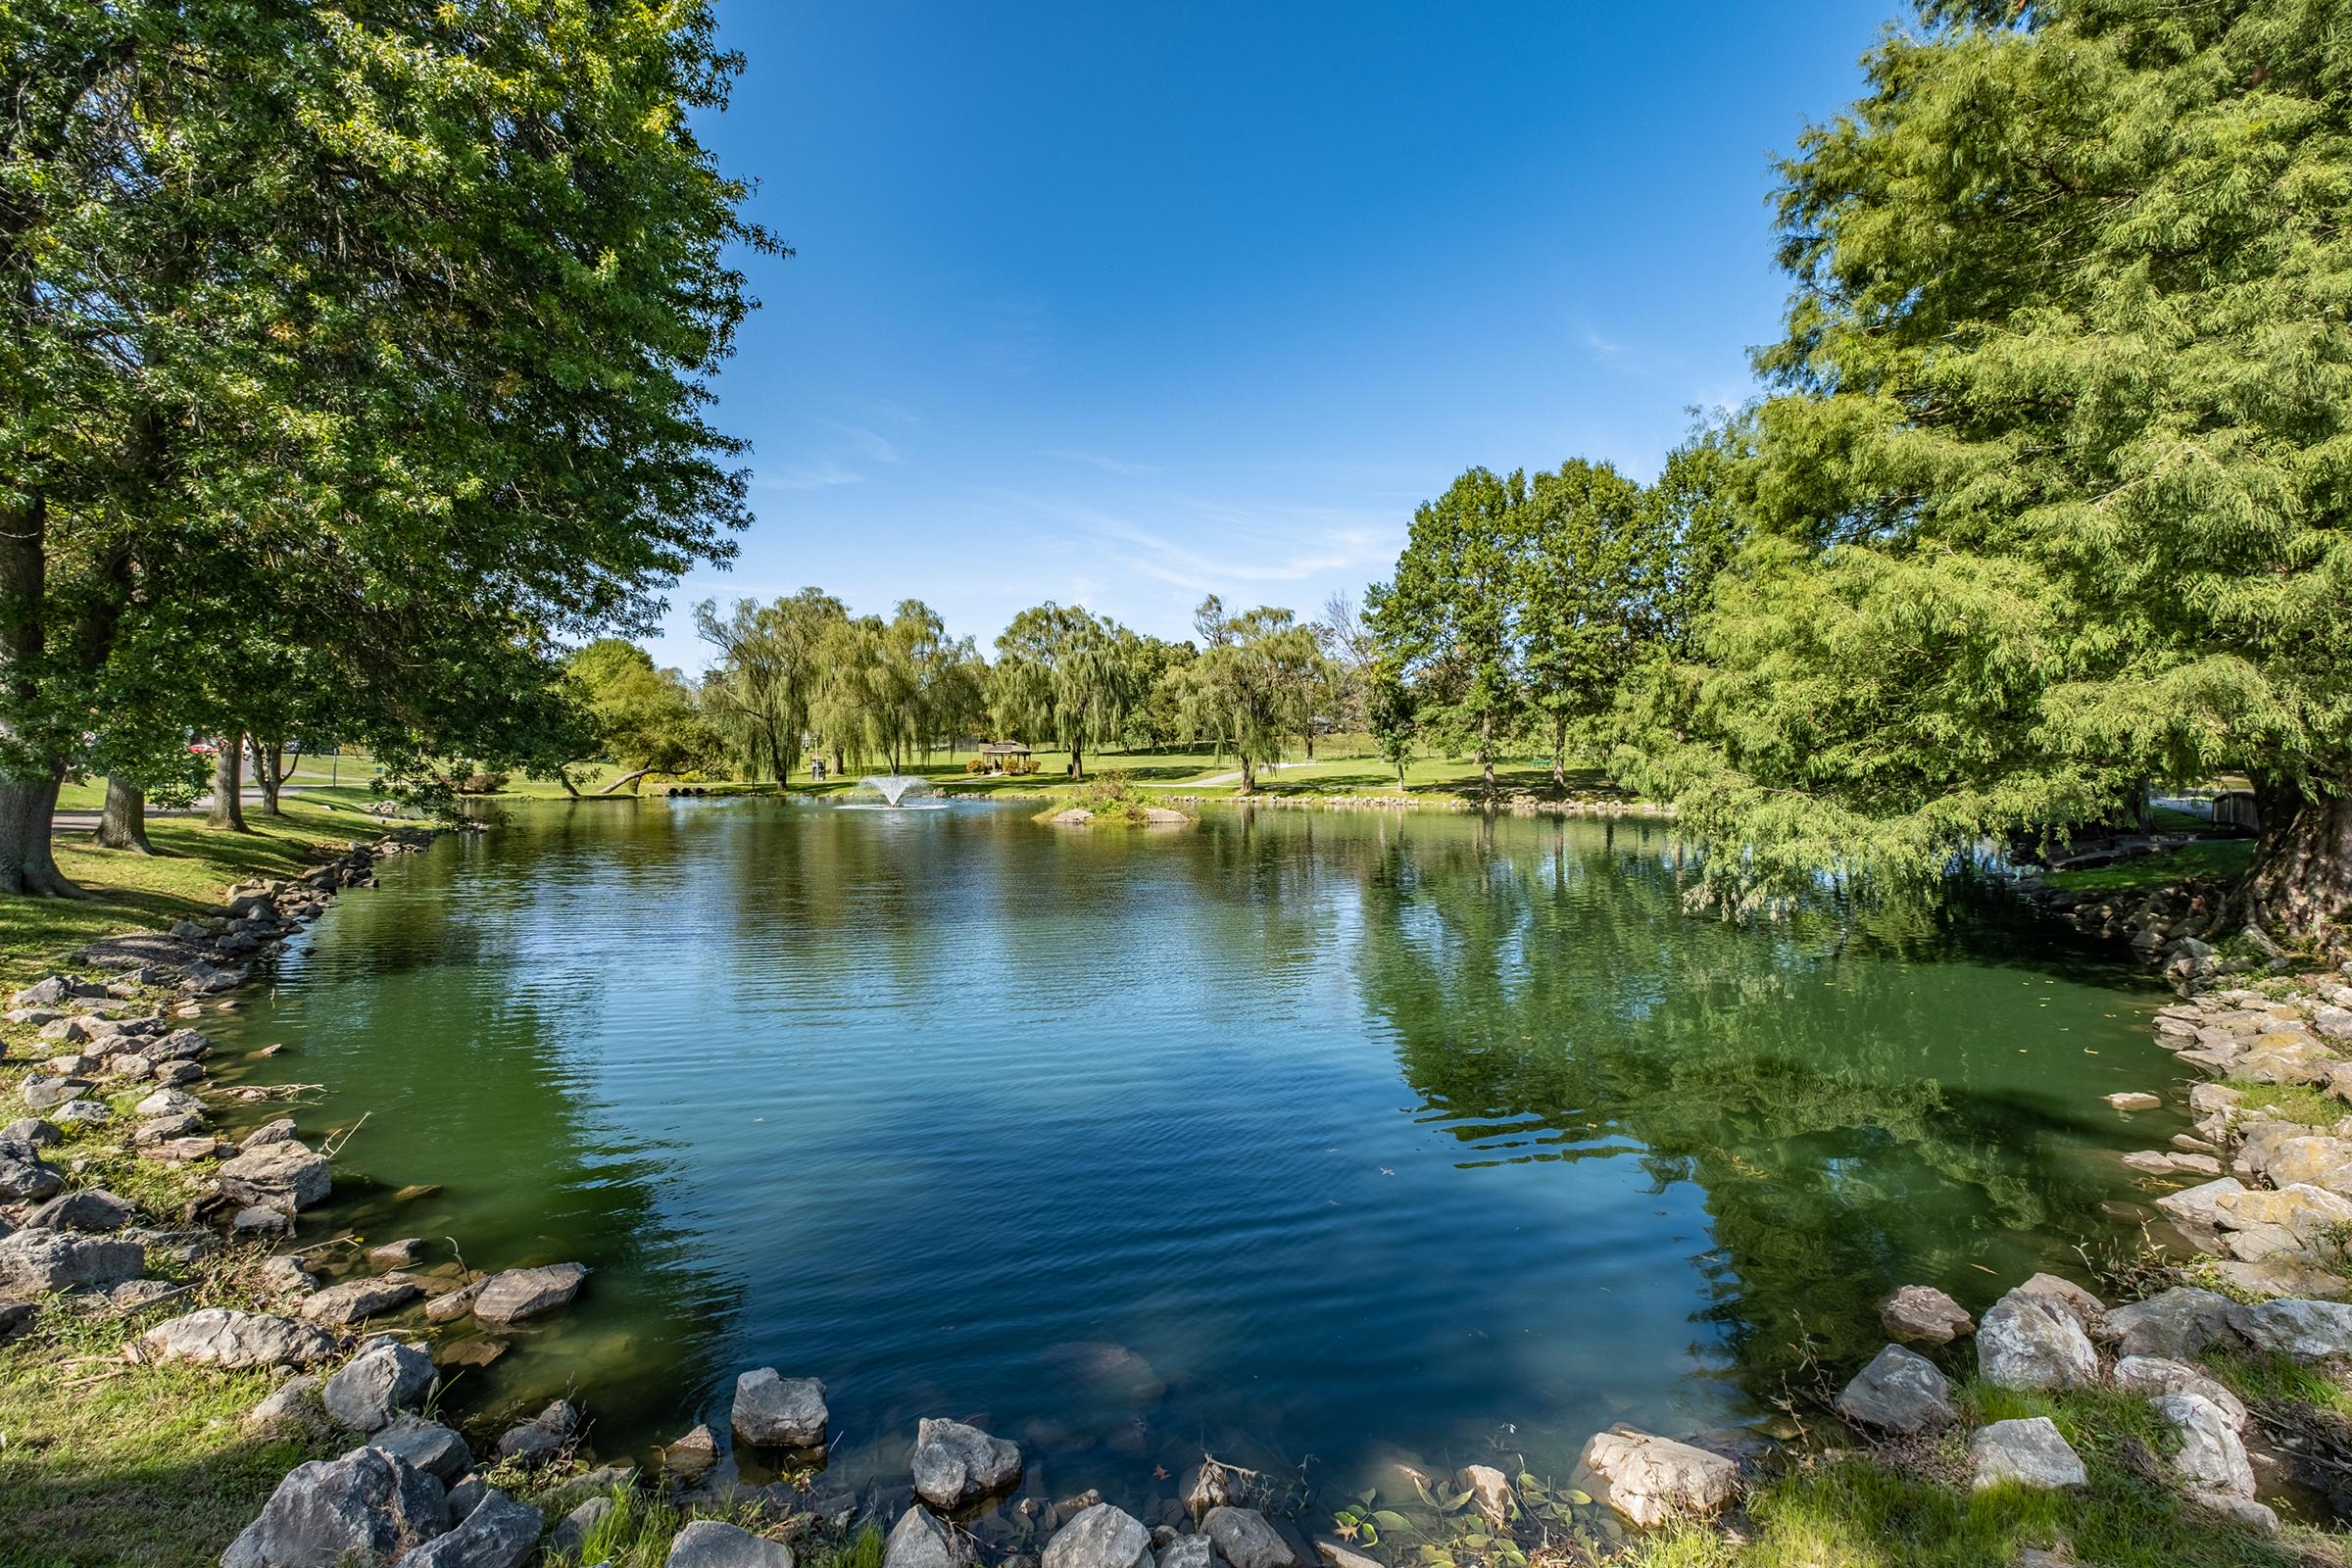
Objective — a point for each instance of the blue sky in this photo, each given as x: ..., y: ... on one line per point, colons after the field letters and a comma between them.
x: 1120, y: 304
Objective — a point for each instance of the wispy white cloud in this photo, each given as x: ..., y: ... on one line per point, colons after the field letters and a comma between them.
x: 1256, y: 547
x: 870, y: 444
x: 1134, y: 471
x: 814, y: 476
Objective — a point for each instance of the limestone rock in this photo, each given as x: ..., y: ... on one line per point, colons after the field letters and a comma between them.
x: 543, y: 1437
x: 569, y: 1538
x: 1920, y: 1315
x: 357, y: 1300
x: 292, y: 1402
x: 2281, y: 1276
x: 222, y: 1336
x: 289, y: 1174
x: 168, y: 1103
x: 708, y: 1544
x: 407, y: 1252
x: 1650, y: 1479
x: 2133, y: 1099
x: 692, y: 1454
x: 496, y: 1533
x: 1490, y: 1492
x: 2308, y: 1330
x: 2211, y: 1460
x: 1900, y: 1390
x: 1100, y: 1537
x: 38, y: 1260
x: 955, y: 1464
x: 2175, y: 1323
x: 2030, y: 1340
x: 1243, y: 1539
x: 525, y: 1293
x: 920, y: 1541
x: 779, y: 1412
x: 428, y: 1445
x: 92, y: 1210
x: 2087, y: 1310
x: 2030, y: 1452
x: 366, y: 1506
x: 2199, y: 1204
x: 24, y: 1174
x: 280, y: 1131
x: 1190, y: 1551
x: 2152, y: 1375
x: 378, y: 1383
x: 451, y: 1306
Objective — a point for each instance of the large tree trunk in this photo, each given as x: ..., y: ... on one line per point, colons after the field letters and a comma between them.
x: 28, y: 864
x: 269, y: 771
x: 630, y: 780
x: 228, y: 785
x: 1485, y: 755
x: 123, y: 825
x: 1559, y: 756
x: 1077, y: 762
x: 2300, y: 885
x: 1249, y: 776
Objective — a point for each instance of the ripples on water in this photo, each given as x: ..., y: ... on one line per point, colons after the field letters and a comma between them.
x: 1293, y: 1136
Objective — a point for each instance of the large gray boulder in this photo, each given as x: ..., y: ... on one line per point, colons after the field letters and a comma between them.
x: 428, y: 1445
x: 40, y: 1092
x: 2151, y: 1376
x: 496, y: 1533
x: 2199, y: 1205
x: 779, y: 1412
x: 286, y: 1175
x: 2175, y: 1323
x: 1198, y: 1551
x: 2031, y: 1453
x: 2033, y: 1340
x: 36, y: 1261
x: 91, y: 1209
x: 366, y: 1508
x: 1920, y: 1315
x: 1100, y: 1537
x: 357, y: 1300
x: 378, y: 1383
x: 1243, y: 1539
x: 1900, y: 1390
x: 168, y: 1103
x: 1650, y: 1479
x: 2308, y: 1330
x: 24, y: 1174
x: 2211, y: 1460
x: 920, y: 1541
x: 222, y: 1336
x: 543, y: 1437
x: 523, y: 1292
x: 708, y: 1544
x: 955, y: 1464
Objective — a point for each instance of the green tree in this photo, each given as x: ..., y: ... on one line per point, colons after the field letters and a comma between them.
x: 1389, y: 716
x: 404, y: 314
x: 761, y: 693
x: 2050, y: 498
x: 1253, y: 684
x: 1064, y: 676
x: 1582, y: 613
x: 646, y: 718
x: 1448, y: 620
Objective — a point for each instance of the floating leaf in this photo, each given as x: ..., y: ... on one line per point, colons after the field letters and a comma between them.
x: 1391, y: 1520
x: 1453, y: 1504
x: 1583, y: 1499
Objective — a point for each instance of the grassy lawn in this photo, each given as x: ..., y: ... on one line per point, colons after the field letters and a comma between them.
x: 195, y: 862
x: 2217, y: 859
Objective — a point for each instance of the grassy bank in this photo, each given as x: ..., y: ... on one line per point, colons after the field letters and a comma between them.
x: 192, y: 867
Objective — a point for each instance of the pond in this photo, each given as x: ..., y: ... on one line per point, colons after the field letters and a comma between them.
x: 1308, y: 1140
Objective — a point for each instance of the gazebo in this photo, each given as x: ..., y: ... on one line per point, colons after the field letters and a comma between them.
x: 997, y: 753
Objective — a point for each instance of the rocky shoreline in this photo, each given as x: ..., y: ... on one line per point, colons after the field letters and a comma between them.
x: 2253, y: 1246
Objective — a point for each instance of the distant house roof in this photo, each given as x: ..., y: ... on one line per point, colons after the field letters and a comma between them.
x: 1003, y: 749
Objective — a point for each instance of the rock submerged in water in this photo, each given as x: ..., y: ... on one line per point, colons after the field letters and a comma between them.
x: 956, y: 1465
x: 288, y: 1174
x: 357, y: 1300
x: 2031, y: 1453
x: 1243, y: 1539
x: 368, y: 1506
x: 773, y: 1412
x: 1100, y: 1537
x: 1920, y: 1315
x: 1649, y: 1479
x: 525, y: 1293
x: 222, y: 1337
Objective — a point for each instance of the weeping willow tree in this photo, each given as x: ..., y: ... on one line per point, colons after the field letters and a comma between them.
x: 1065, y: 675
x: 2050, y: 497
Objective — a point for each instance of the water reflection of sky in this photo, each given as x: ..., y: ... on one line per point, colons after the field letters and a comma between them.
x: 1354, y: 1135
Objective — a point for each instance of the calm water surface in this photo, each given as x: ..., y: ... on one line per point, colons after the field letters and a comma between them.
x: 1293, y: 1136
